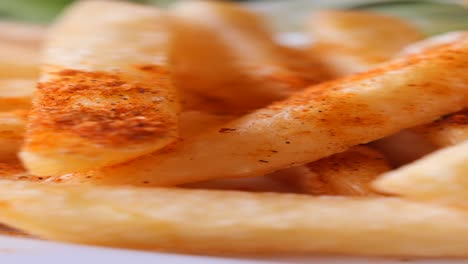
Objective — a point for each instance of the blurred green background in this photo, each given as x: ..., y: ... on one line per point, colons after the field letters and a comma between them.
x: 433, y: 16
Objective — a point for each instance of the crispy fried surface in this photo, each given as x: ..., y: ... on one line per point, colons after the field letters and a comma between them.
x: 224, y: 222
x: 320, y: 121
x: 106, y: 93
x: 113, y: 112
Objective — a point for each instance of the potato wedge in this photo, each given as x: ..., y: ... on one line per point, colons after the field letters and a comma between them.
x: 225, y: 222
x: 12, y: 126
x: 106, y: 94
x: 232, y: 57
x: 441, y: 176
x: 351, y: 41
x: 348, y: 173
x: 318, y: 122
x: 16, y: 93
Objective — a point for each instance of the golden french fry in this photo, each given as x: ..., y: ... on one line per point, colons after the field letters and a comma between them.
x: 18, y: 61
x: 440, y: 176
x: 106, y: 94
x: 16, y: 93
x: 11, y: 134
x: 446, y: 131
x: 318, y: 122
x: 224, y: 222
x: 404, y: 147
x: 351, y: 41
x: 347, y: 173
x: 232, y: 57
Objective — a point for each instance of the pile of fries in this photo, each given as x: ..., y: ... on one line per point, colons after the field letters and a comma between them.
x: 191, y: 130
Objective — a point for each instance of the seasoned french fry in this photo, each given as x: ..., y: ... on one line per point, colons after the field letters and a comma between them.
x: 404, y: 147
x: 346, y: 173
x: 18, y: 61
x: 11, y: 134
x: 224, y: 222
x: 440, y: 176
x: 106, y: 94
x: 16, y: 93
x: 451, y: 129
x: 351, y: 41
x: 446, y: 131
x: 232, y: 57
x: 318, y: 122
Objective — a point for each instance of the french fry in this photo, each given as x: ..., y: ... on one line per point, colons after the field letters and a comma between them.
x: 447, y: 131
x: 18, y: 61
x: 22, y: 34
x: 404, y: 147
x: 351, y: 41
x: 16, y: 93
x: 440, y: 176
x: 225, y: 222
x: 11, y: 134
x: 12, y: 126
x: 106, y: 94
x: 347, y: 173
x: 316, y: 123
x: 232, y: 57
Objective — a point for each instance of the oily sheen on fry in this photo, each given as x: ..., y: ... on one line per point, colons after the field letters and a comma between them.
x: 200, y: 221
x: 318, y: 122
x: 105, y: 94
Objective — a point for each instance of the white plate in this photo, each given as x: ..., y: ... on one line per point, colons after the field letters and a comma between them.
x: 26, y: 251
